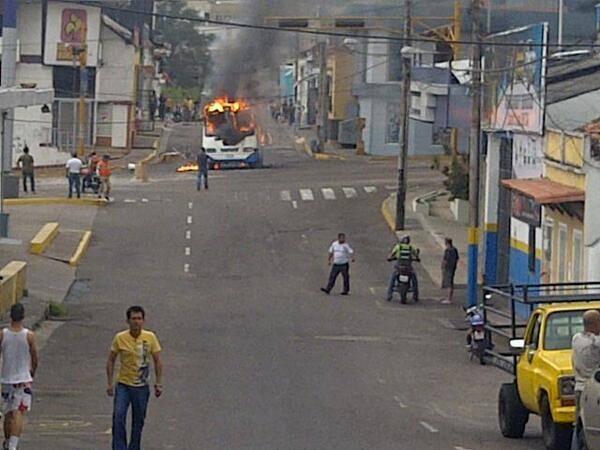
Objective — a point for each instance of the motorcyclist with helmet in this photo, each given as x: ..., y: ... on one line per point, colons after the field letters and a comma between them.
x: 404, y: 254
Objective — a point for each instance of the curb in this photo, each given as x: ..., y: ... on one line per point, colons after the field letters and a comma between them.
x: 321, y: 156
x: 84, y: 243
x: 43, y: 238
x: 55, y: 201
x: 388, y: 215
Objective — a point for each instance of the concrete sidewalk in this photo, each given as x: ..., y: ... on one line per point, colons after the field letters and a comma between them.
x: 48, y: 280
x: 428, y: 233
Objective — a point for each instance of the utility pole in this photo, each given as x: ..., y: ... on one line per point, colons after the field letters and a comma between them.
x: 323, y: 96
x: 83, y: 80
x: 474, y: 154
x: 9, y: 79
x: 404, y: 118
x: 561, y: 15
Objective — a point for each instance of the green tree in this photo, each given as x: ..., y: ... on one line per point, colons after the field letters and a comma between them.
x: 189, y: 62
x: 457, y: 182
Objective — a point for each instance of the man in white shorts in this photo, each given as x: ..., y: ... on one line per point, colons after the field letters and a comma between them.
x: 19, y: 363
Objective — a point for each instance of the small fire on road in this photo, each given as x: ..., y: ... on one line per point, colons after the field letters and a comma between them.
x: 189, y: 167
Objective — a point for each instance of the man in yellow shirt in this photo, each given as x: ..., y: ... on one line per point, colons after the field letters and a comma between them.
x: 134, y: 347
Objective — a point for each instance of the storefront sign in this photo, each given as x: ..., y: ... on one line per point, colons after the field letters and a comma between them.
x: 526, y: 209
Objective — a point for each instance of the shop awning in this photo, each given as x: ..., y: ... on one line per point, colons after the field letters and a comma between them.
x: 544, y: 191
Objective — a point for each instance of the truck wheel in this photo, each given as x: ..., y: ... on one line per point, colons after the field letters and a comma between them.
x: 556, y: 436
x: 512, y: 415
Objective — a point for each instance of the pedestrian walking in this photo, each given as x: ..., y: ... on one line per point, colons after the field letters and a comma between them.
x: 202, y: 170
x: 340, y: 254
x: 73, y: 167
x: 586, y: 359
x: 19, y: 364
x: 104, y: 172
x: 134, y: 348
x: 25, y: 162
x: 449, y: 263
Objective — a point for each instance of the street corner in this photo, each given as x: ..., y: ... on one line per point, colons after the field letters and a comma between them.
x: 328, y: 157
x: 42, y: 201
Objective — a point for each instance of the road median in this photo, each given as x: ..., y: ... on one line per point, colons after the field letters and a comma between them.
x: 32, y: 201
x: 43, y: 238
x: 81, y: 250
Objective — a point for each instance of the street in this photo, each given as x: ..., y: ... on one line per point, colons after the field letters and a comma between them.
x: 256, y: 357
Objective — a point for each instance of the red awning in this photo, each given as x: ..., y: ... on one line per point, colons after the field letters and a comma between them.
x: 546, y: 192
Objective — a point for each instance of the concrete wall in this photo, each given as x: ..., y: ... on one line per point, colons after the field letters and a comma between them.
x: 342, y: 67
x: 115, y: 80
x: 420, y: 139
x: 29, y: 26
x: 592, y: 224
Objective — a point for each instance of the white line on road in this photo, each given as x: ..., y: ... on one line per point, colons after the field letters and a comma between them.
x: 458, y: 447
x: 401, y: 404
x: 349, y: 192
x: 429, y: 427
x: 144, y: 200
x: 306, y: 194
x: 186, y: 268
x: 189, y: 220
x: 130, y: 200
x: 370, y: 189
x: 188, y: 251
x: 188, y: 234
x: 328, y: 193
x: 286, y: 196
x: 391, y: 187
x: 373, y: 290
x: 190, y: 205
x: 295, y: 204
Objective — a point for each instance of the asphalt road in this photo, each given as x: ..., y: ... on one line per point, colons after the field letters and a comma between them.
x: 256, y: 356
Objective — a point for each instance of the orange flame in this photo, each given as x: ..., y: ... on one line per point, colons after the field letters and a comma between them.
x: 190, y: 167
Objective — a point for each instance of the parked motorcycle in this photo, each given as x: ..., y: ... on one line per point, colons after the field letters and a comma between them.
x: 90, y: 181
x: 477, y: 338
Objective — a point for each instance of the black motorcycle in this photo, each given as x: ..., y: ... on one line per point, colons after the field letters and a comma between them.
x: 404, y: 280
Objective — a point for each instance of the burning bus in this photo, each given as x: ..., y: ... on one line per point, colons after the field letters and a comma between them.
x: 229, y: 135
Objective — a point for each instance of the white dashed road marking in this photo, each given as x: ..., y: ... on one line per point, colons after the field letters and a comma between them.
x: 189, y: 220
x: 306, y: 195
x: 429, y: 427
x: 130, y: 200
x: 401, y: 404
x: 186, y: 268
x: 349, y: 192
x: 328, y: 193
x: 370, y: 189
x: 295, y: 204
x: 286, y: 196
x: 190, y: 205
x: 188, y: 234
x: 188, y: 251
x: 144, y: 200
x: 461, y: 448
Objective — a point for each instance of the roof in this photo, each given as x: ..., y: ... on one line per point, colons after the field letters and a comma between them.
x: 545, y: 191
x: 571, y: 77
x: 118, y: 29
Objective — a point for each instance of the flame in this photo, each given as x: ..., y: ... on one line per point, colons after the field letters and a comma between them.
x: 189, y: 167
x: 220, y: 105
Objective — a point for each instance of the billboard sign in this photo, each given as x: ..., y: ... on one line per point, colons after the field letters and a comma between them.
x: 526, y: 209
x: 515, y: 79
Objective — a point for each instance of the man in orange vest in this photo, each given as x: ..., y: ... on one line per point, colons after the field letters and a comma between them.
x: 104, y: 172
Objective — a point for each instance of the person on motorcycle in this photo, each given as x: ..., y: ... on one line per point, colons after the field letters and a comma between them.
x: 404, y: 254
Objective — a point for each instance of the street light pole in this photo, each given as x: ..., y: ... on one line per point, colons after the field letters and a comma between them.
x: 323, y: 96
x: 474, y: 155
x: 404, y: 119
x: 561, y: 12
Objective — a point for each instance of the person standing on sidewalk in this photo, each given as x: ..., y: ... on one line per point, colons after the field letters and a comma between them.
x: 449, y: 263
x: 25, y: 162
x: 202, y: 169
x: 19, y: 363
x: 104, y: 172
x: 340, y: 254
x: 74, y: 166
x: 134, y: 347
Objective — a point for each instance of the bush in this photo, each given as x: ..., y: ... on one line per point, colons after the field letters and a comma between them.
x: 457, y: 182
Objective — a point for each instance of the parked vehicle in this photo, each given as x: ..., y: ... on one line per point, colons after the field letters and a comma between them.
x: 477, y: 339
x: 540, y: 359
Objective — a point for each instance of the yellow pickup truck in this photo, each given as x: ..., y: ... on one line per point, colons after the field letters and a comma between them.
x: 544, y: 383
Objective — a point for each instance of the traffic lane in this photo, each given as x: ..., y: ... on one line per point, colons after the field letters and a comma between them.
x: 427, y: 366
x: 131, y: 261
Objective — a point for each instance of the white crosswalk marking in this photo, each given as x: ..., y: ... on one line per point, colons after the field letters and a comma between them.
x: 306, y: 195
x: 328, y: 193
x: 349, y: 192
x: 130, y: 200
x: 286, y: 196
x: 370, y: 189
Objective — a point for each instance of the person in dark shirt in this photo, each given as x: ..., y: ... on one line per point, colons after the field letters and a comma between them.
x: 202, y: 170
x: 449, y: 264
x: 25, y: 162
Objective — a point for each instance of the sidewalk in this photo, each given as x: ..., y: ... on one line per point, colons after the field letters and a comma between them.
x: 428, y: 233
x: 48, y: 280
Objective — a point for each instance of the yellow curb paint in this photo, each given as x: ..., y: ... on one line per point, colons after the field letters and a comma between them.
x: 328, y: 157
x: 43, y: 238
x: 84, y: 243
x: 55, y: 201
x: 388, y: 215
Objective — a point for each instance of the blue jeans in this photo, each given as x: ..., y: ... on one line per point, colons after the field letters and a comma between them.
x: 202, y: 174
x: 138, y: 398
x: 74, y: 182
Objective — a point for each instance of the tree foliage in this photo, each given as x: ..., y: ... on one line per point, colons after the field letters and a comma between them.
x: 189, y: 64
x: 458, y: 179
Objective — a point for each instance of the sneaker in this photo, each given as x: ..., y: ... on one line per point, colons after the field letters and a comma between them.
x: 325, y: 290
x: 446, y: 302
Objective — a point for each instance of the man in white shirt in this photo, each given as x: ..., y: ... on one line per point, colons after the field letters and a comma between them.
x: 586, y: 359
x: 340, y: 254
x: 73, y: 167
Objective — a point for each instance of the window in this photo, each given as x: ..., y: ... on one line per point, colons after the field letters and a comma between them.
x: 534, y: 336
x: 531, y: 250
x: 395, y: 61
x: 577, y: 256
x: 392, y: 129
x: 560, y: 328
x: 562, y: 253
